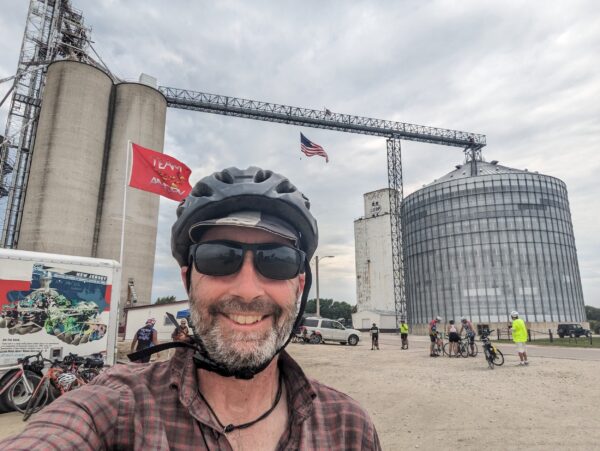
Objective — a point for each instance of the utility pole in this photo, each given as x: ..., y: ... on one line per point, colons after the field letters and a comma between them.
x: 317, y: 258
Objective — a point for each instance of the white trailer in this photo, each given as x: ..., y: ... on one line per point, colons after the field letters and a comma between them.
x: 57, y: 304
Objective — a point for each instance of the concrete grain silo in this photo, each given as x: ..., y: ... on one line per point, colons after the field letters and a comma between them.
x: 61, y: 201
x: 74, y: 198
x: 486, y: 239
x: 139, y: 115
x: 374, y: 270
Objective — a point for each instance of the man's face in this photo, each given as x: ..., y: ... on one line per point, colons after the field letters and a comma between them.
x: 243, y: 318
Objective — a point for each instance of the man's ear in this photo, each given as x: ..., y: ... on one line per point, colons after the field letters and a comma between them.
x: 301, y: 282
x: 184, y: 278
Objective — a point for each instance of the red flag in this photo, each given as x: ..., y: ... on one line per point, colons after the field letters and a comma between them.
x: 159, y: 173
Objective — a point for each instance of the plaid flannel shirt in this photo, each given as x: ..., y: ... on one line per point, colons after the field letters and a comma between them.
x: 156, y: 406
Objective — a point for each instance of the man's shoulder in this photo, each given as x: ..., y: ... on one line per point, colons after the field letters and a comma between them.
x: 133, y: 374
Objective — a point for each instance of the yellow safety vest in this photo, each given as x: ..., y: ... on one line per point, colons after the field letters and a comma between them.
x: 403, y: 328
x: 519, y: 331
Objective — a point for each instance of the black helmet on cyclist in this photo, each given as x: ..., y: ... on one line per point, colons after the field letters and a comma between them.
x: 254, y: 198
x: 234, y: 190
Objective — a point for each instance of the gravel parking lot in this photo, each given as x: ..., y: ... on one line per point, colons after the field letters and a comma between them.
x: 441, y: 403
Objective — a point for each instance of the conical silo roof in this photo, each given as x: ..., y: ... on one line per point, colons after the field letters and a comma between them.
x: 467, y: 170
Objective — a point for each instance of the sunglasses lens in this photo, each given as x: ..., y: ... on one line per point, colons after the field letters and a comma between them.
x: 278, y: 262
x: 217, y: 259
x: 274, y: 261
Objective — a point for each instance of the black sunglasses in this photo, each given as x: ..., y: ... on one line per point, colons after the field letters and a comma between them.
x: 223, y: 258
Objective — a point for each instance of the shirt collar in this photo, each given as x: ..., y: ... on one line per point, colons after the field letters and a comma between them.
x: 300, y: 391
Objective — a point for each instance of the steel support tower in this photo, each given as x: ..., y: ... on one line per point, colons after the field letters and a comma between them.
x: 396, y: 195
x: 53, y: 30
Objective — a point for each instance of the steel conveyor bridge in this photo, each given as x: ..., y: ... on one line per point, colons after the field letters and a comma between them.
x: 394, y: 132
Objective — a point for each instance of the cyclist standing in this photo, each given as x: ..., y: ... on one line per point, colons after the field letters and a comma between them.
x: 454, y: 338
x: 145, y: 338
x: 404, y: 334
x: 519, y: 334
x: 374, y: 337
x: 467, y: 326
x: 433, y: 335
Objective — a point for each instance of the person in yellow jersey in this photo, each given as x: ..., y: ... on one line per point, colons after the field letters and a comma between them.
x: 519, y: 334
x: 404, y: 334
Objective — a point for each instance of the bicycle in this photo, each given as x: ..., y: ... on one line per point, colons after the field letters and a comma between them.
x: 19, y: 382
x: 459, y: 350
x: 374, y: 341
x: 493, y: 355
x: 61, y: 377
x: 438, y: 346
x: 466, y: 348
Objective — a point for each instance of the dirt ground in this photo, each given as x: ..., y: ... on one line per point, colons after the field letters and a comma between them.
x: 420, y: 402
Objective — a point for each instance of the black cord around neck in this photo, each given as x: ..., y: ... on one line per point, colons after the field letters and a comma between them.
x: 232, y: 427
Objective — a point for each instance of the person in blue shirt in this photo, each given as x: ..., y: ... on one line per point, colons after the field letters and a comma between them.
x: 144, y: 338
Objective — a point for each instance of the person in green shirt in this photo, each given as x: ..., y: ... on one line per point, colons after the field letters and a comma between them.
x: 519, y: 334
x: 404, y: 334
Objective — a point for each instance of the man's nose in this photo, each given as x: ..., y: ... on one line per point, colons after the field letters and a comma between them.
x: 247, y: 283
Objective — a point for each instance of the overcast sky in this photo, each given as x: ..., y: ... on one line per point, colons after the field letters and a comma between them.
x: 526, y: 74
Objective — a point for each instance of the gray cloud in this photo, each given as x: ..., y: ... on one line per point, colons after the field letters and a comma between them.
x: 524, y: 74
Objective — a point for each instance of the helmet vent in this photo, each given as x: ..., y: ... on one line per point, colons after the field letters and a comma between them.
x: 202, y: 190
x: 285, y: 187
x: 306, y: 202
x: 261, y: 176
x: 224, y: 177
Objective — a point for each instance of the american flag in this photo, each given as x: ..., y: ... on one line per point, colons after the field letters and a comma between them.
x: 309, y: 148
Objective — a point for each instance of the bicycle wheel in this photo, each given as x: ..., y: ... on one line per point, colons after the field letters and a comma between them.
x: 446, y: 349
x: 37, y: 400
x: 474, y: 352
x: 498, y: 358
x: 488, y: 358
x: 20, y: 393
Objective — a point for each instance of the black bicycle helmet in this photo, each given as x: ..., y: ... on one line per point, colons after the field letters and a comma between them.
x: 235, y: 189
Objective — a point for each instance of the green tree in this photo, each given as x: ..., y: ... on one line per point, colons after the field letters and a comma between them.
x: 165, y: 300
x: 592, y: 313
x: 330, y: 308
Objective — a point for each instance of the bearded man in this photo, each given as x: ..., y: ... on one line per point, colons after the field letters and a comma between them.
x: 243, y: 240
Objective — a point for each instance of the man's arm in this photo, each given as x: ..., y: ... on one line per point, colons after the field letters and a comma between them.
x: 84, y: 419
x: 154, y: 338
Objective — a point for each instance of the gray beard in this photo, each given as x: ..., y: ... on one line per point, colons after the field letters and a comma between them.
x: 241, y: 350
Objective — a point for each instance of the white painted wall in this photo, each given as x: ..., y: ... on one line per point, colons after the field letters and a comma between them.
x: 364, y: 320
x: 137, y: 316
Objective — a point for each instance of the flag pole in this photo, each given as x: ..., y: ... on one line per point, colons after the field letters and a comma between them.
x: 124, y: 203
